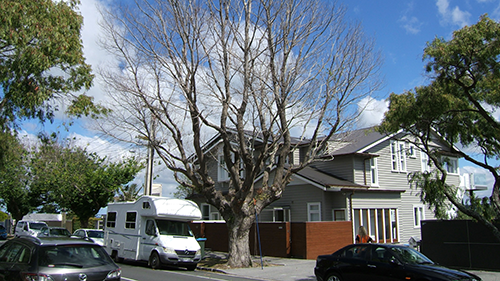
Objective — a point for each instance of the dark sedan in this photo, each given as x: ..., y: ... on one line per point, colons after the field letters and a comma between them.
x: 382, y: 262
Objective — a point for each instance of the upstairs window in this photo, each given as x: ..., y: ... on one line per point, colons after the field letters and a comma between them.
x: 418, y: 215
x: 222, y: 172
x: 374, y: 171
x: 450, y: 164
x: 425, y: 165
x: 398, y: 156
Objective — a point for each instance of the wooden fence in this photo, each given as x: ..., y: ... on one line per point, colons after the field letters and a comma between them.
x: 304, y: 240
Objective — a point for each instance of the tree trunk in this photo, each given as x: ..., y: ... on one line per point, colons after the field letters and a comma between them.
x: 239, y: 237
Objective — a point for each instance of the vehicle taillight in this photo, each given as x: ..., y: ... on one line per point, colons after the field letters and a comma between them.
x: 36, y: 277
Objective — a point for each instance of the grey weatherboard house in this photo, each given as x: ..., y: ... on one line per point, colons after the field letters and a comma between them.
x: 361, y: 177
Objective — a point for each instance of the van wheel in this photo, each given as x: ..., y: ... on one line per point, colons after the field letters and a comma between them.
x: 191, y: 267
x: 154, y: 260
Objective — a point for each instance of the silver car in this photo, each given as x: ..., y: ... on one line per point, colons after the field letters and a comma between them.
x: 57, y: 259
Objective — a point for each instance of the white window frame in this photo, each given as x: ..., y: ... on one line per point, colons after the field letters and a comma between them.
x: 374, y: 172
x: 394, y: 156
x: 418, y: 215
x: 424, y: 162
x: 398, y: 156
x: 311, y: 212
x: 215, y: 216
x: 205, y: 211
x: 222, y: 172
x: 412, y: 150
x: 451, y: 165
x: 402, y: 156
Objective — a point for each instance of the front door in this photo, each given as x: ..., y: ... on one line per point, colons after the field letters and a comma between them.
x: 148, y: 240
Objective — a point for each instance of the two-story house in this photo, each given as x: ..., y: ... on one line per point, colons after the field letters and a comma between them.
x: 361, y: 177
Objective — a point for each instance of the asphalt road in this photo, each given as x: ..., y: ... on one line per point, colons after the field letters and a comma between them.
x: 132, y: 271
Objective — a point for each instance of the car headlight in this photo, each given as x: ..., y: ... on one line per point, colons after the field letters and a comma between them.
x: 114, y: 274
x: 169, y: 250
x: 198, y: 253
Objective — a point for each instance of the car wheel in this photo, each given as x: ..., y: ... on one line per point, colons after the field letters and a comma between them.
x: 333, y: 277
x: 191, y: 267
x: 154, y: 260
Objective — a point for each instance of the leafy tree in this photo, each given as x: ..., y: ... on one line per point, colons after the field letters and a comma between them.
x: 458, y: 104
x: 41, y: 58
x: 129, y: 192
x: 3, y: 216
x: 255, y: 73
x: 78, y: 180
x: 15, y: 192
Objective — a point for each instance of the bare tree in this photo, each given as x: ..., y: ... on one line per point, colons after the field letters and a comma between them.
x: 254, y: 73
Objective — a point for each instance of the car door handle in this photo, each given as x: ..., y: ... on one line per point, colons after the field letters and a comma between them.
x: 372, y: 266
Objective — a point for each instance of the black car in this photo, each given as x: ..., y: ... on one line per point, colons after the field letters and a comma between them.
x: 382, y: 262
x: 55, y: 259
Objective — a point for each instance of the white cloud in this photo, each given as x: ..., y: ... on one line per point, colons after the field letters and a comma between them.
x: 453, y: 16
x: 371, y: 111
x: 411, y: 24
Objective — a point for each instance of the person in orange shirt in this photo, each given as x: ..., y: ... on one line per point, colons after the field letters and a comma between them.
x: 363, y: 236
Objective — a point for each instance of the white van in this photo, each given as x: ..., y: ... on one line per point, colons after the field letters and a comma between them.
x: 153, y: 229
x: 29, y: 228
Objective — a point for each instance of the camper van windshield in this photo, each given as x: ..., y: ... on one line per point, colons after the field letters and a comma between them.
x: 179, y: 228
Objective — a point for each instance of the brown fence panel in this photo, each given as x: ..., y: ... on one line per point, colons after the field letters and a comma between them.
x: 327, y: 237
x: 282, y: 239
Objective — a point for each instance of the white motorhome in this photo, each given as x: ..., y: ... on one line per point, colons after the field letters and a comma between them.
x: 153, y: 229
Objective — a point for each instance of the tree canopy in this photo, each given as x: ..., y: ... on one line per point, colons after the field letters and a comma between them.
x: 78, y: 180
x: 459, y: 104
x: 41, y: 58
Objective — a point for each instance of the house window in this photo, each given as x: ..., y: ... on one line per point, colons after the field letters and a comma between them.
x: 339, y: 215
x: 111, y: 219
x: 381, y: 224
x: 425, y: 165
x: 418, y: 215
x: 214, y: 216
x: 205, y: 211
x: 451, y: 165
x: 130, y: 222
x: 412, y: 152
x: 374, y: 171
x: 314, y: 211
x: 398, y: 156
x: 222, y: 173
x: 394, y: 155
x: 402, y: 156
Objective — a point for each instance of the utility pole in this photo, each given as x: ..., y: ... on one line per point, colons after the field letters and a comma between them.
x: 148, y: 186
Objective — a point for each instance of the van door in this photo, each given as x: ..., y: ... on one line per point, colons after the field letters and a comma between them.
x: 148, y: 241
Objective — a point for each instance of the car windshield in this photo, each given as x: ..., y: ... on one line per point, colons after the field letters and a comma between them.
x: 80, y: 256
x: 411, y: 256
x: 37, y: 225
x: 95, y: 233
x: 60, y: 231
x: 178, y: 228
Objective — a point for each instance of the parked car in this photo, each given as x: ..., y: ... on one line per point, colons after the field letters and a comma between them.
x: 29, y: 228
x: 97, y: 235
x: 55, y: 258
x: 383, y: 262
x: 3, y: 232
x: 54, y: 232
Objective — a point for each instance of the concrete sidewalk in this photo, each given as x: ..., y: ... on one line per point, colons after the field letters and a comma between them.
x: 303, y: 270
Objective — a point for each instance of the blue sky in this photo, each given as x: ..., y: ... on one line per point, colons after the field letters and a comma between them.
x: 401, y: 29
